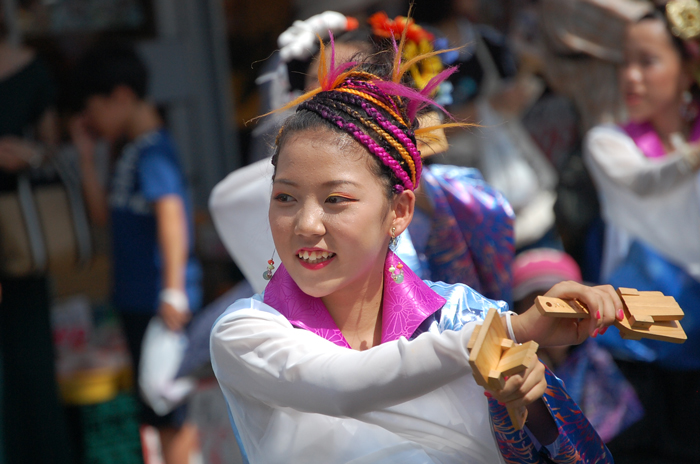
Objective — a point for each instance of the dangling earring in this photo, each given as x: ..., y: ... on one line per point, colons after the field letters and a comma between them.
x: 267, y: 275
x: 395, y: 271
x: 394, y: 241
x: 689, y: 109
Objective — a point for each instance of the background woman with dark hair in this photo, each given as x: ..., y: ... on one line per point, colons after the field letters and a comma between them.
x: 649, y: 188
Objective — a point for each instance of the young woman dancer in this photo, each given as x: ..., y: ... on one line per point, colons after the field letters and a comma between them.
x: 348, y: 356
x: 649, y: 187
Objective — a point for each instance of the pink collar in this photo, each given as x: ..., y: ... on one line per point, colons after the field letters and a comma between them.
x: 404, y: 306
x: 648, y: 141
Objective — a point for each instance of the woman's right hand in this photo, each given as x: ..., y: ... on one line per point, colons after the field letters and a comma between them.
x: 604, y: 305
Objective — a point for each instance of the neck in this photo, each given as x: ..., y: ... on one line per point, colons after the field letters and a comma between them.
x: 144, y: 118
x: 357, y: 309
x: 667, y: 123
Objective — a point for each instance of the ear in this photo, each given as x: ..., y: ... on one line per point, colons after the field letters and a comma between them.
x: 402, y: 207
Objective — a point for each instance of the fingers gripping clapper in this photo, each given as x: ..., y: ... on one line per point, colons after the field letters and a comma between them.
x: 493, y: 356
x: 646, y: 314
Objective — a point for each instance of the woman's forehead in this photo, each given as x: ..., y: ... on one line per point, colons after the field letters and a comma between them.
x: 322, y: 153
x: 646, y: 33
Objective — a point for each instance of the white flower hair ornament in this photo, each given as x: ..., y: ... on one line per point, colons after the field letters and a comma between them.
x: 684, y: 18
x: 298, y: 42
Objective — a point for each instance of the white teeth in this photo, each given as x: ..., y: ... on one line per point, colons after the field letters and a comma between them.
x: 315, y: 256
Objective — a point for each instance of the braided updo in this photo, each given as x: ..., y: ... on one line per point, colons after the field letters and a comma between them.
x: 374, y: 118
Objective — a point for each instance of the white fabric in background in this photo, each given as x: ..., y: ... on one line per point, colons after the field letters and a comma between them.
x: 239, y: 206
x: 654, y: 200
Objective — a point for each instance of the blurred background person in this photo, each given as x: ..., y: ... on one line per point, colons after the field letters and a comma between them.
x: 155, y: 271
x: 576, y: 46
x: 30, y: 410
x: 489, y: 89
x: 647, y: 175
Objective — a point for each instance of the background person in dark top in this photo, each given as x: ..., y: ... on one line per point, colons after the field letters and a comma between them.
x: 33, y: 428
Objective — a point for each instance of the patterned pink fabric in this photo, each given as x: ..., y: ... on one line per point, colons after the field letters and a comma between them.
x: 404, y: 306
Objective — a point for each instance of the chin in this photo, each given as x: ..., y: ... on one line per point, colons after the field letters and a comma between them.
x: 311, y: 285
x: 638, y: 115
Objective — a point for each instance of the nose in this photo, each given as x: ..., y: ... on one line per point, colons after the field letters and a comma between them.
x: 631, y: 74
x: 309, y: 220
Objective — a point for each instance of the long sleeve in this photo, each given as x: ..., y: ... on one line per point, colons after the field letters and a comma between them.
x: 666, y: 216
x: 577, y: 441
x: 616, y: 155
x: 256, y: 352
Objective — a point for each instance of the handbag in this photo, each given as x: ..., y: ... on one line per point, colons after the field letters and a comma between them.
x: 43, y: 222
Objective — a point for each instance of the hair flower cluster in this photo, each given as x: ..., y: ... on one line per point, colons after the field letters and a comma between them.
x: 684, y: 17
x: 418, y: 42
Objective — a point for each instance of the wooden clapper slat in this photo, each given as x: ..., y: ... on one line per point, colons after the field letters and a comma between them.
x: 493, y: 356
x: 647, y: 314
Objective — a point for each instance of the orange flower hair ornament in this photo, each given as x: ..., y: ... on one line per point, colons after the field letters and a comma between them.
x: 418, y: 43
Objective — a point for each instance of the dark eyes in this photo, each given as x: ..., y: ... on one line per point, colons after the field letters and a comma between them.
x: 284, y: 198
x: 332, y: 200
x: 336, y: 199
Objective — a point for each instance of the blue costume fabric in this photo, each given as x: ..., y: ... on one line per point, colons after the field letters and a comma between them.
x: 469, y: 237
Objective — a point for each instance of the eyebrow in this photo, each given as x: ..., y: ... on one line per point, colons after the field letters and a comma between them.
x: 330, y: 183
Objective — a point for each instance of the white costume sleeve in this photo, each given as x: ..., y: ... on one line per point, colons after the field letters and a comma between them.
x: 623, y: 162
x: 657, y: 202
x: 256, y: 352
x: 238, y: 206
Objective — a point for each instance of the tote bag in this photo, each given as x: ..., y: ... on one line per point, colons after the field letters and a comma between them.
x: 43, y: 222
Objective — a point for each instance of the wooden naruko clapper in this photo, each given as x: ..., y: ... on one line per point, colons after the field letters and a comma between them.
x: 493, y: 356
x: 647, y: 314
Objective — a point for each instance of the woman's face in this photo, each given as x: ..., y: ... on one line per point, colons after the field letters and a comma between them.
x: 653, y: 77
x: 330, y: 216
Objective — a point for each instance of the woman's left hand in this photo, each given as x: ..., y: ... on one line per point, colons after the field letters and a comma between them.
x: 604, y: 306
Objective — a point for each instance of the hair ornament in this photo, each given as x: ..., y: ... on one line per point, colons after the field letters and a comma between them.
x: 299, y: 40
x: 684, y: 18
x: 329, y: 77
x: 380, y: 114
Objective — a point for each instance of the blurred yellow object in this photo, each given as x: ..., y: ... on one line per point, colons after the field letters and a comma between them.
x: 92, y: 386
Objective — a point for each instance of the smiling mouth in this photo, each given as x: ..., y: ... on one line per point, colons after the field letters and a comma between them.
x: 315, y: 257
